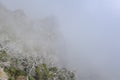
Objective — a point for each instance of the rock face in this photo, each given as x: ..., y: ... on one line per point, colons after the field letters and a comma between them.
x: 3, y: 75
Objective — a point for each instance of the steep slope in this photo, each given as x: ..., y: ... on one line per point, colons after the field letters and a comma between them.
x: 21, y: 35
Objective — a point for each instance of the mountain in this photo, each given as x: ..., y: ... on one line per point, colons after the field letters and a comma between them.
x: 25, y: 36
x: 28, y: 48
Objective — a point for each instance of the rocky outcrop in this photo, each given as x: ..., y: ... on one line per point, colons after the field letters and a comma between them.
x: 3, y: 75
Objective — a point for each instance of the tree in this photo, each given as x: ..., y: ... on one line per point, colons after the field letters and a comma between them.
x: 28, y: 64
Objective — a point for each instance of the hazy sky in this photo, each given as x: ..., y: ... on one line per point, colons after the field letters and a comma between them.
x: 91, y: 29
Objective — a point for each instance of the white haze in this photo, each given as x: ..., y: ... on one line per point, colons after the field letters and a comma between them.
x: 90, y: 29
x: 20, y: 37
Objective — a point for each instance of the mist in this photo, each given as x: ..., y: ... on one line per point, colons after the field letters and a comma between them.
x: 90, y: 42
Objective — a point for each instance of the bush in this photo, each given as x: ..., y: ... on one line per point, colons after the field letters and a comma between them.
x: 31, y: 78
x: 39, y: 72
x: 3, y: 56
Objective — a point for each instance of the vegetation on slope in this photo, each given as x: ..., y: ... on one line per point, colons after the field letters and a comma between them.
x: 30, y: 68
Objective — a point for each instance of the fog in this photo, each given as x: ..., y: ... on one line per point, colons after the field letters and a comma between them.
x: 90, y: 33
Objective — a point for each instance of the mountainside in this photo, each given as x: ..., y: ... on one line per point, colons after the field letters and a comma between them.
x: 28, y: 48
x: 24, y: 36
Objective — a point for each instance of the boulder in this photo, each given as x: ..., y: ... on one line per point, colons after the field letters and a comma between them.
x: 3, y: 75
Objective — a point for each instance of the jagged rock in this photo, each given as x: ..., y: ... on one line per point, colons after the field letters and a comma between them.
x: 3, y: 75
